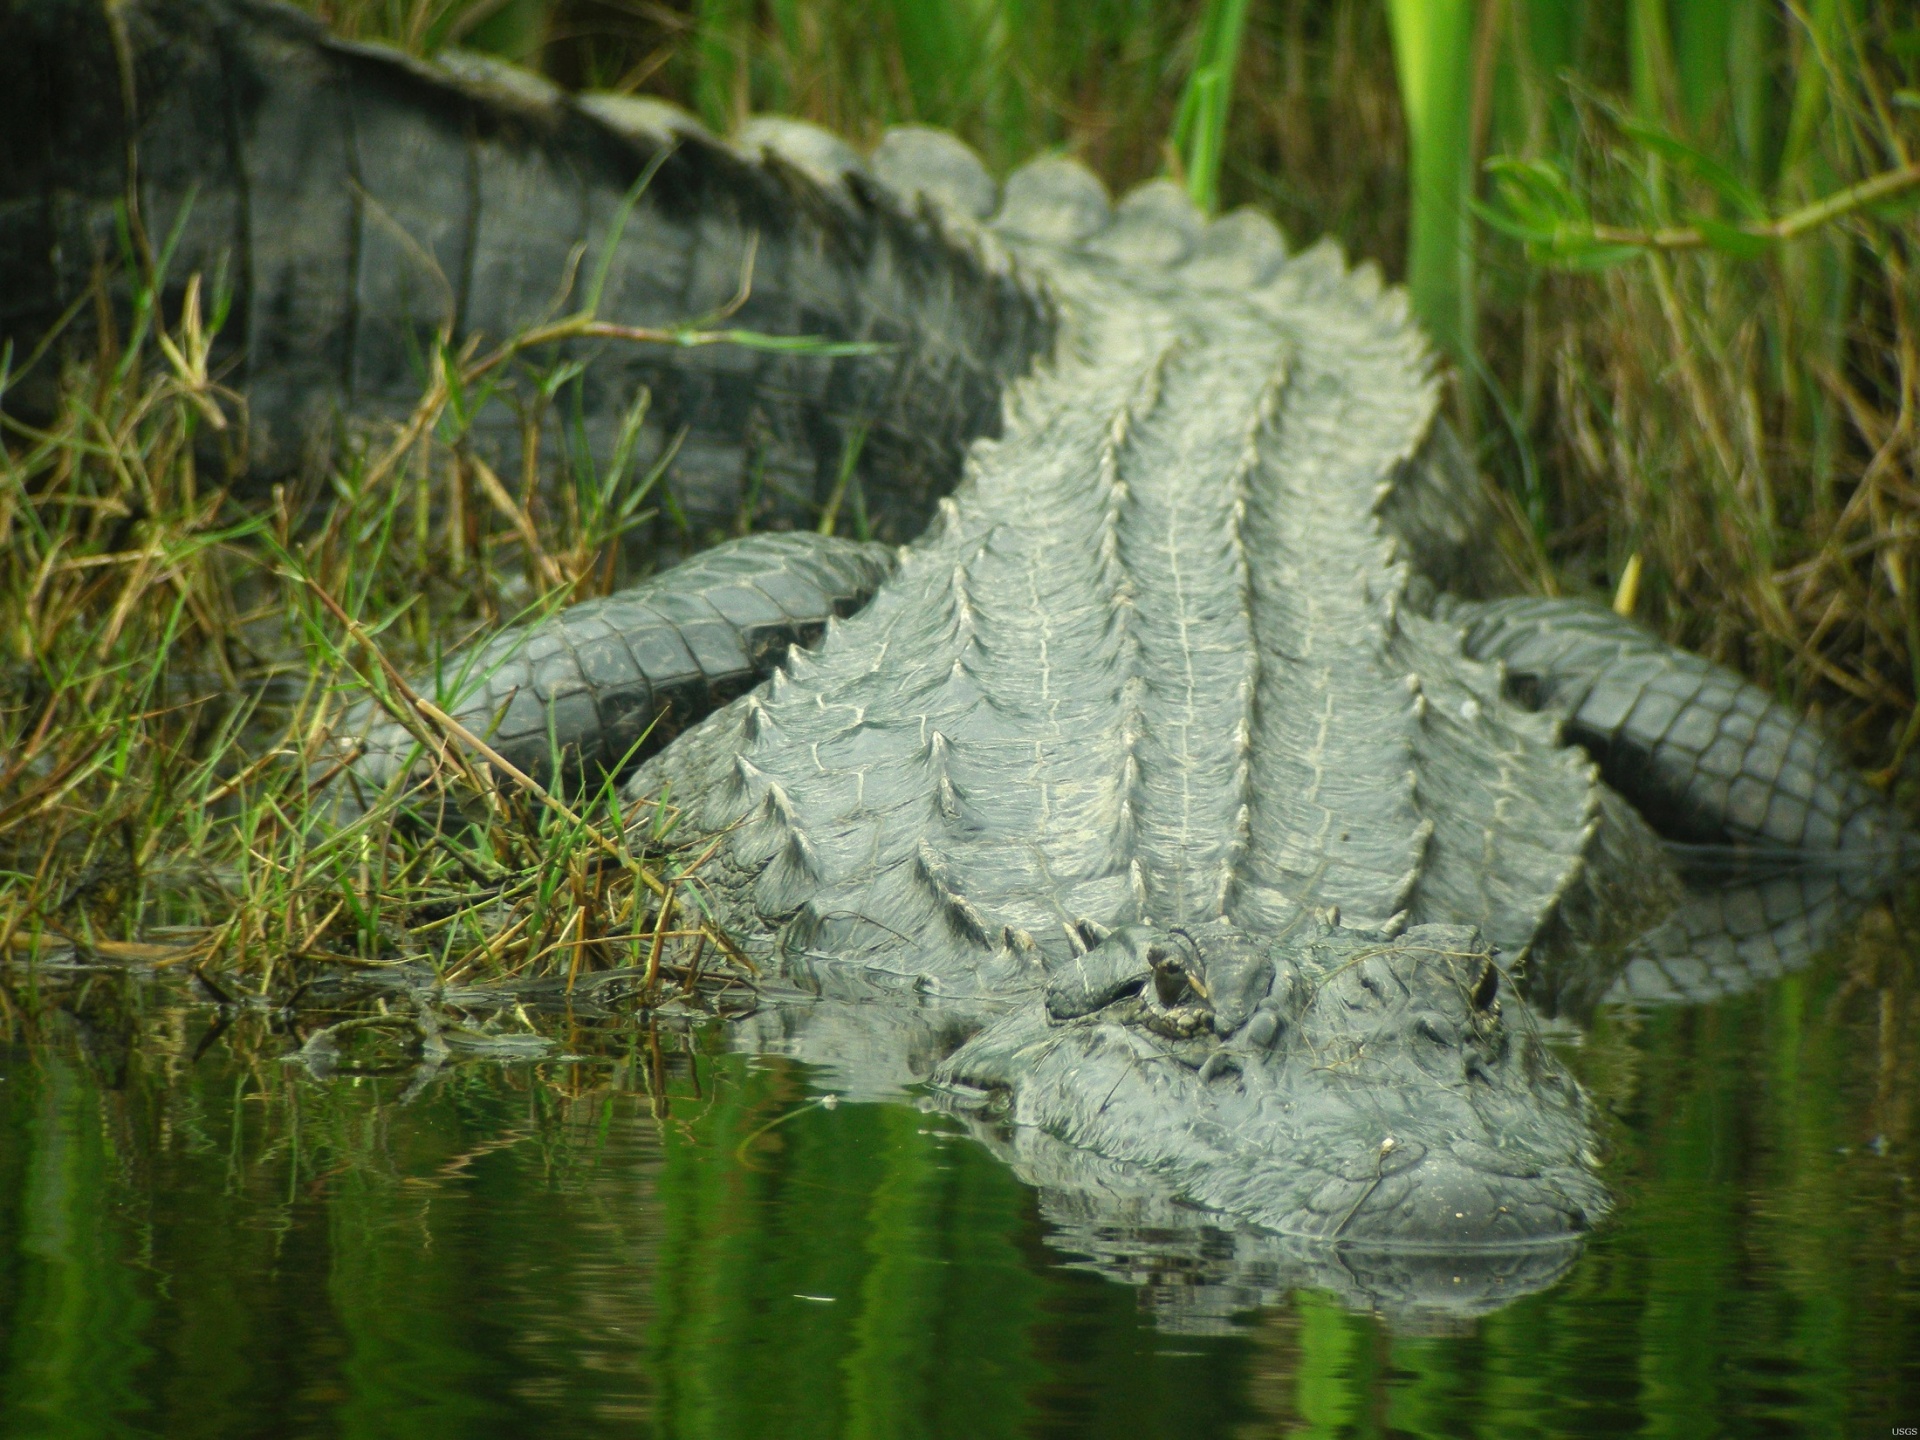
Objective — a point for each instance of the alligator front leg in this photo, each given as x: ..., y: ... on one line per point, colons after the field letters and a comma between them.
x: 1708, y: 758
x: 594, y: 688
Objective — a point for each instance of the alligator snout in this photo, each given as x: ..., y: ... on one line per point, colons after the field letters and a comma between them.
x: 1468, y: 1196
x: 1338, y: 1085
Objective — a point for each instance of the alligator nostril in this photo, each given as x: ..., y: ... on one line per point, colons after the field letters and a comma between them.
x: 1263, y: 1029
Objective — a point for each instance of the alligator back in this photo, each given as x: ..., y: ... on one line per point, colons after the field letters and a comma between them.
x: 1158, y: 660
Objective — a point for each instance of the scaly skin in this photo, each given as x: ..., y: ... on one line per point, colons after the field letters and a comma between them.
x: 604, y: 683
x: 1715, y: 761
x: 1157, y: 672
x: 1160, y: 753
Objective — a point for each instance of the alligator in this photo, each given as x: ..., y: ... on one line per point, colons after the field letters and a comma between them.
x: 1182, y: 802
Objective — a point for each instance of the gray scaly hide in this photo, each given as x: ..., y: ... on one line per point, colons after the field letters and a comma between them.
x: 1156, y: 660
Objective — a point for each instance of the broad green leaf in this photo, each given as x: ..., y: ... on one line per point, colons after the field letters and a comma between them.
x: 1904, y: 43
x: 1538, y: 213
x: 1545, y: 236
x: 1595, y: 255
x: 1895, y: 206
x: 1536, y: 192
x: 1511, y: 226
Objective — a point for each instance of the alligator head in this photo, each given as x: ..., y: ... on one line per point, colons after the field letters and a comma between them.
x: 1331, y: 1085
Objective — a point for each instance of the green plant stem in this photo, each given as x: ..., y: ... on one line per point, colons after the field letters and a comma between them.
x: 1788, y: 227
x: 1434, y: 52
x: 1200, y: 123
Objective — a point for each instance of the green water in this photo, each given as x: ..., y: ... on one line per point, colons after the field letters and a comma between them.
x: 197, y: 1239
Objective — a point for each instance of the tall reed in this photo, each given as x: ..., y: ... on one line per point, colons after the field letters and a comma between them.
x: 1433, y: 47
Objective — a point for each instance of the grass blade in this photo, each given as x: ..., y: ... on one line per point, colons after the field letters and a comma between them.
x: 1200, y: 124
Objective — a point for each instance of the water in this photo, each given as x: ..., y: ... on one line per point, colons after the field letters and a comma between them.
x: 664, y: 1238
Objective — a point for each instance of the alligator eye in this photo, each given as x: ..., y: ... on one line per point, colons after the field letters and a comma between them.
x: 1187, y: 943
x: 1486, y: 987
x: 1170, y: 985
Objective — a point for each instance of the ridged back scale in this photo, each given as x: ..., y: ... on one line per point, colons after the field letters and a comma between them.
x: 1155, y: 661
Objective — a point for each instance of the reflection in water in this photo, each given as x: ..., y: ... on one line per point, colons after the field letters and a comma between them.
x: 1196, y: 1269
x: 1198, y: 1273
x: 75, y: 1301
x: 702, y: 1247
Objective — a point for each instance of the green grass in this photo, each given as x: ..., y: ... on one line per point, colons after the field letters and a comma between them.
x: 1705, y: 314
x: 176, y: 665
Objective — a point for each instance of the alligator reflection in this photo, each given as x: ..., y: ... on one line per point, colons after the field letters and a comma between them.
x: 1737, y: 927
x: 678, y: 1236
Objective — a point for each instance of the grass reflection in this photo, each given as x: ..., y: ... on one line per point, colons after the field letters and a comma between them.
x: 74, y: 1342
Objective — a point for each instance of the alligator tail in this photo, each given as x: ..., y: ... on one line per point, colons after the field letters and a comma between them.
x: 355, y: 204
x: 1711, y: 760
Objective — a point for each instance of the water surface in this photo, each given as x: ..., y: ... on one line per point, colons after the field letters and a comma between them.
x: 666, y: 1238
